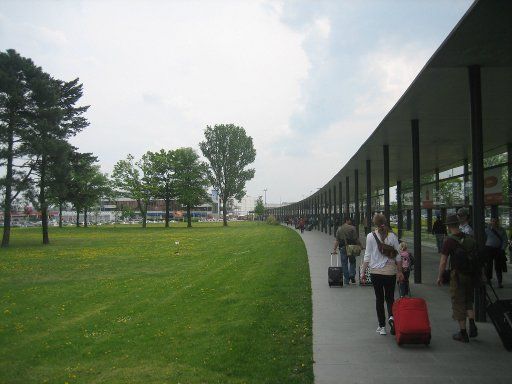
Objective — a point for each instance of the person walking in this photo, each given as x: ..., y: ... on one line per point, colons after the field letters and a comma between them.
x: 346, y: 235
x: 495, y: 246
x: 302, y: 225
x: 407, y: 262
x: 382, y: 254
x: 457, y: 247
x: 463, y: 216
x: 439, y: 230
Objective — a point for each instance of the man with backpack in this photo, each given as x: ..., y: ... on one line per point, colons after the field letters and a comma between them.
x: 462, y: 251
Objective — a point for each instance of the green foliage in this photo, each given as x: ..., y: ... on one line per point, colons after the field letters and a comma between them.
x: 259, y: 209
x: 272, y: 220
x: 190, y: 179
x: 135, y: 180
x: 118, y: 305
x: 161, y: 171
x: 451, y: 192
x: 86, y: 183
x: 229, y: 151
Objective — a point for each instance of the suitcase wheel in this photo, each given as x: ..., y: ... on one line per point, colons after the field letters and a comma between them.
x: 330, y: 285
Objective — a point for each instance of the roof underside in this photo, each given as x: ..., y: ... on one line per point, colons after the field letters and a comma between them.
x: 439, y: 99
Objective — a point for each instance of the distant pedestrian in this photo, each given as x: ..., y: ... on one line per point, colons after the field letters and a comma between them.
x: 347, y: 235
x: 495, y: 246
x: 407, y: 263
x: 383, y: 257
x: 459, y: 247
x: 439, y: 230
x: 302, y: 224
x: 463, y: 216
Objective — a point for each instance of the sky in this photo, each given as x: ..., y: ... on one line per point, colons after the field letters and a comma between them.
x: 308, y: 80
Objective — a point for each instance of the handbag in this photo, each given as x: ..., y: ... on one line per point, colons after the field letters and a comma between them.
x: 385, y: 249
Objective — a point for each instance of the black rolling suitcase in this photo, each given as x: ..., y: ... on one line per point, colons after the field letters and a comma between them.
x: 500, y: 312
x: 335, y: 273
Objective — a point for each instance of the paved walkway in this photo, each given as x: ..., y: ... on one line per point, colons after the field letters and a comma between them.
x: 346, y: 348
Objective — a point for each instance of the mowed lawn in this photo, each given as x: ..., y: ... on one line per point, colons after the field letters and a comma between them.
x: 118, y: 305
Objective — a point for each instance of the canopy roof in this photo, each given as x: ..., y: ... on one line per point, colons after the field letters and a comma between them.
x: 439, y: 99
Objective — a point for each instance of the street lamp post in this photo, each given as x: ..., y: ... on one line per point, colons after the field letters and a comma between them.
x: 265, y: 202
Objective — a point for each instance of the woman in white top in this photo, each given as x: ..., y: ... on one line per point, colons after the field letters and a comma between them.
x: 383, y: 269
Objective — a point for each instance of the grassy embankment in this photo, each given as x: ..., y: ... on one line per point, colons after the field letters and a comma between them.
x: 118, y: 305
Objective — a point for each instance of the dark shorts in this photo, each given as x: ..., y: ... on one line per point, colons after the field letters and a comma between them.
x: 462, y: 294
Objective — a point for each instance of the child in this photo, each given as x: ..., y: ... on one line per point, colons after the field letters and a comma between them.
x: 407, y: 262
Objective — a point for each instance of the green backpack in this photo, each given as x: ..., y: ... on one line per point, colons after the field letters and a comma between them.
x: 465, y: 259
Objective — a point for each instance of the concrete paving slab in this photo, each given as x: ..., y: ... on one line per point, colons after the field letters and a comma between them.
x: 346, y: 348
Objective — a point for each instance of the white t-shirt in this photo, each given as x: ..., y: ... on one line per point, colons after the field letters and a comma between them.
x: 372, y: 254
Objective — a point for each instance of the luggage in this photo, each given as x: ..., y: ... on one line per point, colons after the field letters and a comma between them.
x: 335, y: 273
x: 500, y: 312
x: 412, y: 325
x: 367, y: 275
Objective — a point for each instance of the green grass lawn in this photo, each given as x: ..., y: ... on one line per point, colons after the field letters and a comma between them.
x: 118, y: 305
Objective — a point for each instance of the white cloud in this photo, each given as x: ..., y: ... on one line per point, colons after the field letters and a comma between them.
x: 323, y: 27
x: 387, y: 72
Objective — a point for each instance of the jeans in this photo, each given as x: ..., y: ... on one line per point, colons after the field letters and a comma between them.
x: 439, y: 241
x: 384, y: 287
x: 403, y: 286
x: 349, y: 269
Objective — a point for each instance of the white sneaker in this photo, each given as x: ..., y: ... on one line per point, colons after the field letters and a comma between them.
x: 381, y: 331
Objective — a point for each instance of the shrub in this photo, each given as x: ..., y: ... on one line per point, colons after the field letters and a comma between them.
x: 272, y: 220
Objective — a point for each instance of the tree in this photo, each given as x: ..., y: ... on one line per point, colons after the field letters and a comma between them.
x: 229, y: 151
x: 161, y: 169
x: 60, y: 178
x: 53, y: 121
x: 134, y: 180
x: 190, y: 179
x: 86, y: 185
x: 259, y: 209
x: 16, y: 73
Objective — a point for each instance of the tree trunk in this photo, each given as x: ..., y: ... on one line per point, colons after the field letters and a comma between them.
x: 60, y: 214
x: 189, y: 217
x: 143, y: 212
x: 42, y: 202
x: 85, y: 217
x: 224, y: 212
x: 8, y: 190
x: 167, y: 209
x: 78, y: 217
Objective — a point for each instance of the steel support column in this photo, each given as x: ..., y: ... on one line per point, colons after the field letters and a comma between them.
x: 335, y: 217
x: 329, y: 221
x: 356, y: 201
x: 326, y: 218
x: 415, y: 131
x: 385, y: 150
x: 340, y: 202
x: 347, y: 197
x: 321, y: 211
x: 509, y: 167
x: 399, y: 208
x: 368, y: 197
x: 477, y: 174
x: 465, y: 168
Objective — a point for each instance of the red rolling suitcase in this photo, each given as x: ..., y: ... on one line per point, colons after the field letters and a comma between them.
x: 412, y: 325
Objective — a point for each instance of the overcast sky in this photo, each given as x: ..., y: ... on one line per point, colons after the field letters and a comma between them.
x: 308, y: 80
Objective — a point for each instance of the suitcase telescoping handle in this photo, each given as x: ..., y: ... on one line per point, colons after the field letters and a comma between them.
x: 337, y: 260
